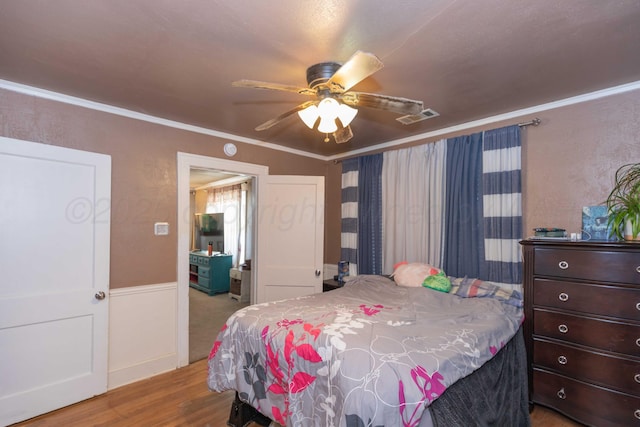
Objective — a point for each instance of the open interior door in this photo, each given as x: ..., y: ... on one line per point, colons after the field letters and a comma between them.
x: 290, y: 240
x: 54, y: 277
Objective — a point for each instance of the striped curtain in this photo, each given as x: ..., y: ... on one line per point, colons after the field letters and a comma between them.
x: 502, y: 202
x: 361, y: 239
x: 349, y: 235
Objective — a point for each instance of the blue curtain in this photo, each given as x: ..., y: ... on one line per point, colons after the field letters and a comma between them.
x: 463, y: 236
x: 370, y: 214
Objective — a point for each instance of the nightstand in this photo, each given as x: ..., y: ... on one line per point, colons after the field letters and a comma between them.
x: 329, y: 285
x: 240, y: 284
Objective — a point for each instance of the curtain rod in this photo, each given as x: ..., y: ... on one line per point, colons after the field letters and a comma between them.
x: 534, y: 122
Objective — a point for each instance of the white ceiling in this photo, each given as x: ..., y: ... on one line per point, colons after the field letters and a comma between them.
x: 467, y: 60
x: 201, y: 177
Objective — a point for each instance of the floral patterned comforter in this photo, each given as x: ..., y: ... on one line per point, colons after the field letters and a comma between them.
x: 370, y: 353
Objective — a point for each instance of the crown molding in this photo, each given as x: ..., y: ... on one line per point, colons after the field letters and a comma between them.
x: 517, y: 114
x: 106, y: 108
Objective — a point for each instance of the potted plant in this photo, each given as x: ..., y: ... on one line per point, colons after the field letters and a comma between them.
x: 623, y: 203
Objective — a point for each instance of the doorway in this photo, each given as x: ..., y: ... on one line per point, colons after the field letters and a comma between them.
x: 219, y: 206
x: 187, y: 162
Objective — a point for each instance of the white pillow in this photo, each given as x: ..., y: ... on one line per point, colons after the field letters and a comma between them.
x: 412, y: 274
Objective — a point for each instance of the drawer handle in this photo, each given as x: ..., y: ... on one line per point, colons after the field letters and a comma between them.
x: 638, y: 306
x: 563, y: 297
x: 637, y: 413
x: 637, y: 378
x: 638, y: 269
x: 563, y: 360
x: 563, y: 265
x: 564, y: 329
x: 638, y: 342
x: 562, y: 394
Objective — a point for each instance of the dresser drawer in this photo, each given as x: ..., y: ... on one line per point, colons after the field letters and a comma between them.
x: 616, y: 336
x: 203, y: 272
x: 586, y: 403
x: 234, y: 273
x: 597, y: 266
x: 620, y: 301
x: 620, y: 373
x: 204, y: 282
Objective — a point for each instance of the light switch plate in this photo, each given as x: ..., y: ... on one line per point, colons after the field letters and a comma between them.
x: 161, y: 228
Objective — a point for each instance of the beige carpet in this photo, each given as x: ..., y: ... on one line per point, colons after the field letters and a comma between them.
x: 207, y: 314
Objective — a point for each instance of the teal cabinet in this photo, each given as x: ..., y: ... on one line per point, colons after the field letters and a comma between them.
x: 209, y: 274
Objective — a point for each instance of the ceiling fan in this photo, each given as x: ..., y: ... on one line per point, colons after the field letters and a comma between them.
x: 333, y: 109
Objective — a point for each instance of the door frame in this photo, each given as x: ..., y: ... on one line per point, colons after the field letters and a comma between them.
x: 185, y: 162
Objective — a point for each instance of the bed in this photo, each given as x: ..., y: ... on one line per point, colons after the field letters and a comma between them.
x: 376, y: 354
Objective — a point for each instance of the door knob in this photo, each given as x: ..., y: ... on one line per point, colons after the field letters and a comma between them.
x: 318, y: 273
x: 100, y: 295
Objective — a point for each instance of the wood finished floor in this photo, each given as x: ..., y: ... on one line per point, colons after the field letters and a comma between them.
x: 180, y: 398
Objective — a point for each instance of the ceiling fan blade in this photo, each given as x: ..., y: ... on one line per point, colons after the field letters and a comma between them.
x: 383, y: 102
x: 272, y: 122
x: 254, y: 84
x: 343, y: 135
x: 360, y: 66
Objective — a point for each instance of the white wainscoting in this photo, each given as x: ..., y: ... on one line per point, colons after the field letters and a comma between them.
x: 142, y: 332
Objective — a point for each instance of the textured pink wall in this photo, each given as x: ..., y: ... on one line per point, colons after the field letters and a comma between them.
x: 570, y: 160
x: 143, y: 169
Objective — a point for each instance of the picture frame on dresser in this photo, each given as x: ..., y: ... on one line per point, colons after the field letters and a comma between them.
x: 582, y: 329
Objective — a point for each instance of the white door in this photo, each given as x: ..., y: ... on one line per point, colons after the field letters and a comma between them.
x: 54, y: 271
x: 290, y: 237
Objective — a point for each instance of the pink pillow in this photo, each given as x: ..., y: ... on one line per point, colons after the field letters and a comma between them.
x: 412, y: 274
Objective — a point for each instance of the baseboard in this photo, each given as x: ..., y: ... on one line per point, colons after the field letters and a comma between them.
x: 142, y: 332
x: 141, y: 371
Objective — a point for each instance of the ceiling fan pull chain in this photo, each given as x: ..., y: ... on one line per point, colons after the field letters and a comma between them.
x: 326, y: 137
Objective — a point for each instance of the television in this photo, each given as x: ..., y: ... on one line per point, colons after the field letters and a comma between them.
x: 212, y: 224
x: 211, y: 229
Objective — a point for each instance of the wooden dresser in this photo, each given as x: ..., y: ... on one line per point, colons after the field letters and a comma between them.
x: 582, y: 329
x: 209, y: 274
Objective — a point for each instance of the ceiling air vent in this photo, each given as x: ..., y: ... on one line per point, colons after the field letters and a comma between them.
x: 413, y: 118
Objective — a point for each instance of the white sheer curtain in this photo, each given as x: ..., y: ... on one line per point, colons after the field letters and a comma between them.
x: 413, y: 188
x: 228, y: 200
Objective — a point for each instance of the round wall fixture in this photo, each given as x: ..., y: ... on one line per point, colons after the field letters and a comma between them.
x: 230, y: 149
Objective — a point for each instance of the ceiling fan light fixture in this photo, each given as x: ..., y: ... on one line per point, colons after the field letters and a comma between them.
x: 327, y: 125
x: 328, y: 110
x: 309, y: 116
x: 346, y: 114
x: 331, y: 83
